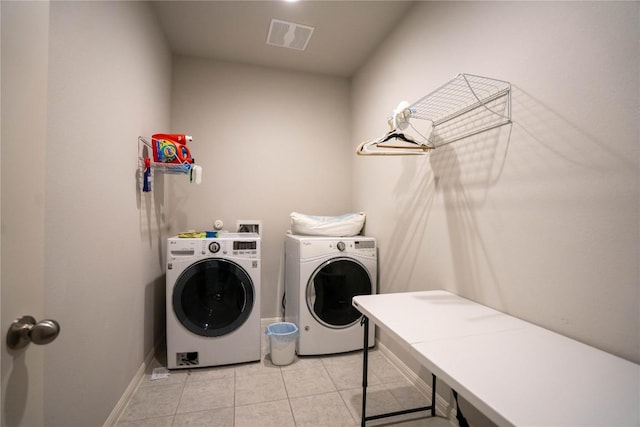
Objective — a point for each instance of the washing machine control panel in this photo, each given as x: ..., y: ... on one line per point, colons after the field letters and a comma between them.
x: 341, y: 246
x: 243, y: 245
x: 242, y: 248
x: 214, y: 247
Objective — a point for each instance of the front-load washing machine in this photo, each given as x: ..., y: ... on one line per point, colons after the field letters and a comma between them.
x: 322, y: 275
x: 213, y: 300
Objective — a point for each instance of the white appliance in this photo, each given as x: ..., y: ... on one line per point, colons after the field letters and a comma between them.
x: 322, y: 275
x: 213, y: 300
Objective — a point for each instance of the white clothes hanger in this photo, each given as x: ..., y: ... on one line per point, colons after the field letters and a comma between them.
x: 402, y: 144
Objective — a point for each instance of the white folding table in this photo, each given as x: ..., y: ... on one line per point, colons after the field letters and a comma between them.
x: 516, y: 373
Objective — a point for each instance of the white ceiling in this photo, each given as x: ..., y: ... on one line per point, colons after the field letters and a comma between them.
x: 346, y: 32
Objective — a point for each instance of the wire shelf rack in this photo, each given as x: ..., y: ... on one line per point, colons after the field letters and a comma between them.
x: 464, y: 106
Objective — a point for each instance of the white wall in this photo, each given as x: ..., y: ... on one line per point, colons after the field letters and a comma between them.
x: 539, y: 219
x: 109, y: 81
x: 270, y: 142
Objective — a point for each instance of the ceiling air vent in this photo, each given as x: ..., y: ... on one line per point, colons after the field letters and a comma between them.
x: 289, y: 34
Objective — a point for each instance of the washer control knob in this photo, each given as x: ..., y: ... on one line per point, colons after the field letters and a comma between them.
x: 341, y: 246
x: 214, y: 247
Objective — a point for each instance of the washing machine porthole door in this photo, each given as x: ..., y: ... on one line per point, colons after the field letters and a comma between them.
x: 330, y: 290
x: 213, y: 297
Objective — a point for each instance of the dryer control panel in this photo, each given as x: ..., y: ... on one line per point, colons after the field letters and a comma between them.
x: 364, y: 244
x: 313, y: 247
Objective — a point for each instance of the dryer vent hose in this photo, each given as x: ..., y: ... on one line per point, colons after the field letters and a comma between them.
x: 284, y: 312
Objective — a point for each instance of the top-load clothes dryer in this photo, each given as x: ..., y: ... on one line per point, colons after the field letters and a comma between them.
x: 213, y: 300
x: 322, y: 275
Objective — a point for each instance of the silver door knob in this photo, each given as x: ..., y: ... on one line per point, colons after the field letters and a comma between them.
x: 25, y: 330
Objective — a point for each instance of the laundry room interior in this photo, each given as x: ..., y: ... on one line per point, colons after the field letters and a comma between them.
x: 537, y: 218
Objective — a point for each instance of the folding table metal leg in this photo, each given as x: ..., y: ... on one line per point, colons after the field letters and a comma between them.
x: 365, y: 369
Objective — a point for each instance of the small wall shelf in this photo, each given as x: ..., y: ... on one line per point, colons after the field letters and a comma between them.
x: 145, y: 150
x: 181, y: 161
x: 464, y: 106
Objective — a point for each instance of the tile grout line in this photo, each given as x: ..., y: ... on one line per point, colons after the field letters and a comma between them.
x: 175, y: 412
x: 286, y: 390
x: 338, y: 390
x: 324, y: 362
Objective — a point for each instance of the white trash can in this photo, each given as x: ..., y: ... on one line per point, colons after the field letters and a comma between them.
x: 282, y: 339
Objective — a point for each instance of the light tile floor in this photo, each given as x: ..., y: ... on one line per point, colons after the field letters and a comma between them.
x: 313, y: 391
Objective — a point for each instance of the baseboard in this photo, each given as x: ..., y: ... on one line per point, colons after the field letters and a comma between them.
x: 117, y: 411
x: 443, y: 408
